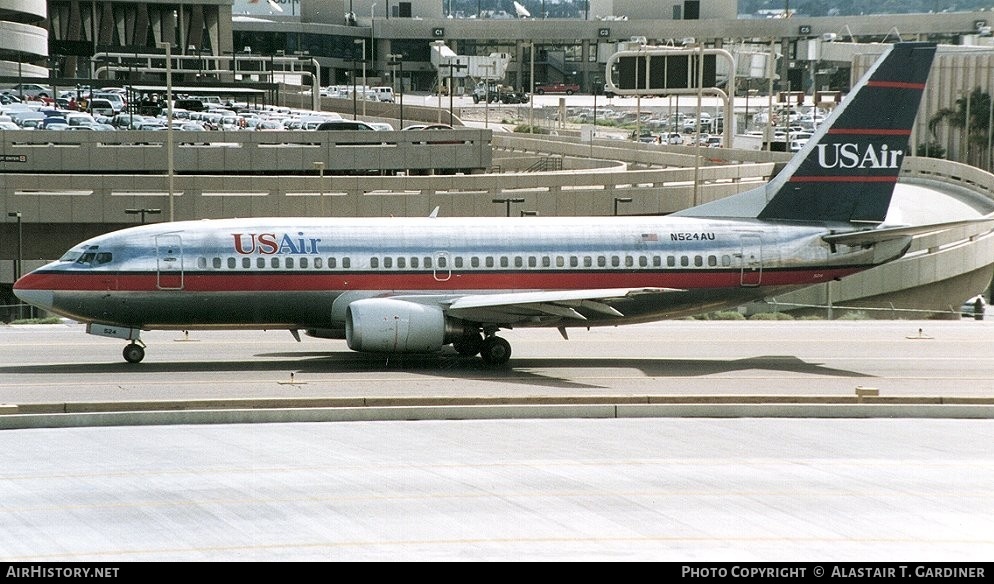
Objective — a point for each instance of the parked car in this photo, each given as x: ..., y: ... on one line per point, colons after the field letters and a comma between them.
x: 100, y: 106
x: 344, y: 125
x: 567, y: 88
x: 383, y: 93
x: 974, y: 307
x: 31, y: 90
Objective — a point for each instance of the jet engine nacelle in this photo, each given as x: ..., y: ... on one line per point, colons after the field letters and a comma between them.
x: 385, y: 325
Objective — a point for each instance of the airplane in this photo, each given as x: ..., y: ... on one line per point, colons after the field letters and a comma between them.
x: 416, y: 285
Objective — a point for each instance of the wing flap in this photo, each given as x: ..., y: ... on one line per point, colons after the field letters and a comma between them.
x: 519, y: 306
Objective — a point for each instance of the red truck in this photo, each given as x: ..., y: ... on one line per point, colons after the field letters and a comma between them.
x: 567, y: 88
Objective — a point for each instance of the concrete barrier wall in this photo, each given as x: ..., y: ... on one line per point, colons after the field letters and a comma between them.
x: 491, y: 412
x: 240, y: 153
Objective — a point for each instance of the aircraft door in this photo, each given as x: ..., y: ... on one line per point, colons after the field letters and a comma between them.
x: 441, y: 268
x: 751, y: 258
x: 169, y: 262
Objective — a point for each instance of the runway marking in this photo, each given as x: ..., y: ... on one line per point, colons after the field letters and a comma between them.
x: 597, y: 542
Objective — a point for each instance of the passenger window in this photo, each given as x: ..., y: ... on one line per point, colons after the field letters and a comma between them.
x: 629, y: 262
x: 374, y: 262
x: 275, y: 262
x: 303, y: 263
x: 684, y: 261
x: 643, y: 262
x: 428, y: 263
x: 201, y: 262
x: 726, y: 260
x: 601, y: 261
x: 401, y: 263
x: 698, y: 261
x: 388, y: 262
x: 474, y: 262
x: 574, y: 262
x: 503, y: 261
x: 532, y: 262
x: 560, y: 261
x: 490, y: 261
x: 546, y: 262
x: 317, y: 263
x: 232, y: 263
x: 519, y: 262
x: 260, y: 262
x: 458, y: 261
x: 442, y: 262
x: 588, y: 262
x: 246, y: 263
x: 615, y: 261
x: 657, y: 261
x: 217, y: 263
x: 414, y: 262
x: 712, y: 261
x: 670, y: 261
x: 332, y: 263
x: 289, y: 263
x: 346, y: 263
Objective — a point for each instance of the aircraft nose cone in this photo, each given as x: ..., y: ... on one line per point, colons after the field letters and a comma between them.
x: 40, y: 298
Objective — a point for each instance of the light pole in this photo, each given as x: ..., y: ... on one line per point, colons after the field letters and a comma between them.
x: 169, y: 124
x: 620, y: 200
x: 143, y: 212
x: 491, y: 68
x: 397, y: 61
x: 531, y: 87
x: 451, y: 66
x: 20, y: 243
x: 508, y: 203
x: 372, y: 31
x: 363, y: 43
x: 190, y: 49
x: 438, y: 47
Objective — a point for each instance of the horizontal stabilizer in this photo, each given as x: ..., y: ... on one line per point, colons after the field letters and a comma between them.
x: 871, y: 236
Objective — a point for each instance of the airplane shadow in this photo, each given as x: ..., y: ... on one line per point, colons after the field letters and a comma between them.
x: 447, y: 365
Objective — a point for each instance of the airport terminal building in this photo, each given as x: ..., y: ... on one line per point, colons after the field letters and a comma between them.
x: 50, y: 203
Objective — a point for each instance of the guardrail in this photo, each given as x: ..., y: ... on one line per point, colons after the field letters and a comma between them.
x: 245, y: 152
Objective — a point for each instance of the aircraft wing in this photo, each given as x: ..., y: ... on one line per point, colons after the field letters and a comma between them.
x: 871, y: 236
x: 513, y: 307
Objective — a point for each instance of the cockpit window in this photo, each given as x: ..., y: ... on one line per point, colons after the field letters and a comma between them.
x: 71, y: 255
x: 90, y: 256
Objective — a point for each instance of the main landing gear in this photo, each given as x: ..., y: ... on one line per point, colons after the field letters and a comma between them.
x: 492, y: 349
x: 135, y: 352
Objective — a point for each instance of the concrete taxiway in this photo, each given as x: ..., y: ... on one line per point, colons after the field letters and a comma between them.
x: 660, y: 488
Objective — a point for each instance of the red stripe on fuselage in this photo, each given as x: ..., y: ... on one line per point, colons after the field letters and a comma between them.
x: 844, y: 179
x: 208, y: 282
x: 869, y: 132
x: 896, y: 85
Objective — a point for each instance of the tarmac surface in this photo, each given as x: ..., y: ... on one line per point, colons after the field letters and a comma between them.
x: 673, y: 489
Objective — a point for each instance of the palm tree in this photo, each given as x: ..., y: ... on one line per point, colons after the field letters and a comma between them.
x: 971, y: 115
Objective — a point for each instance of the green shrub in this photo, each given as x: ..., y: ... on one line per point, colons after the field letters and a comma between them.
x: 726, y: 315
x: 771, y: 316
x: 46, y: 320
x: 523, y: 129
x: 854, y: 315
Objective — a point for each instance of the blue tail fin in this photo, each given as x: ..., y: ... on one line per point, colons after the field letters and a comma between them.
x: 847, y: 171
